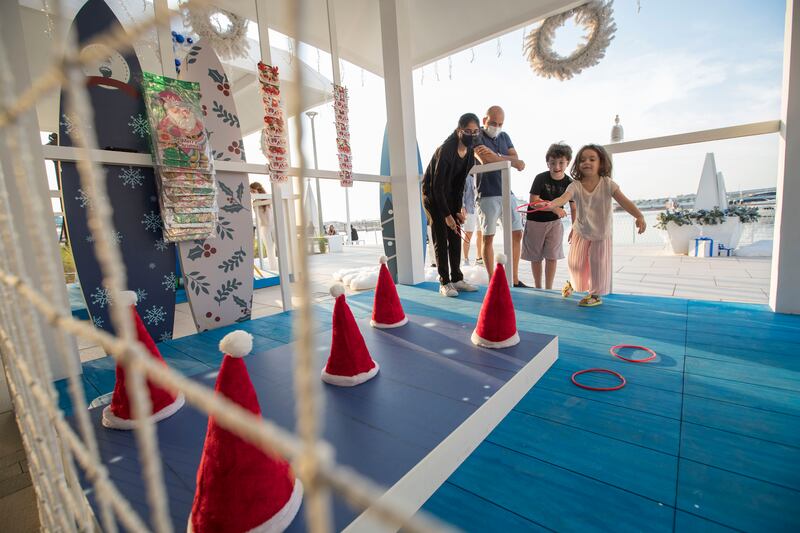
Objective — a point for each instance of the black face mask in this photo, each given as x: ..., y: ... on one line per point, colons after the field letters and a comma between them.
x: 466, y: 140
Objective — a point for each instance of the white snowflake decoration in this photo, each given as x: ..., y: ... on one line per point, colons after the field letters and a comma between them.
x: 151, y: 266
x: 90, y: 238
x: 97, y: 321
x: 70, y: 125
x: 165, y: 336
x: 155, y: 315
x: 161, y: 245
x: 152, y: 221
x: 101, y: 297
x: 169, y: 282
x: 83, y: 198
x: 139, y: 126
x: 117, y: 236
x: 141, y: 295
x: 131, y: 177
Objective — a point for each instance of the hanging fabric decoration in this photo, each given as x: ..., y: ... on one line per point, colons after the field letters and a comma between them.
x: 273, y: 136
x: 436, y: 70
x: 186, y: 183
x: 422, y: 77
x: 499, y: 47
x: 596, y: 17
x: 362, y: 77
x: 230, y: 42
x: 472, y: 55
x: 340, y: 110
x: 450, y: 67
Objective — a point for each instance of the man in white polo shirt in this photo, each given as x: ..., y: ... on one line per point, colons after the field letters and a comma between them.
x: 495, y: 145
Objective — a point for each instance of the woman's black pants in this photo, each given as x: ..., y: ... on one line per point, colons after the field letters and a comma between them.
x: 447, y: 247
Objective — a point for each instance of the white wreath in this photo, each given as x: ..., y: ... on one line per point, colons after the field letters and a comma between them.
x: 229, y: 44
x: 596, y: 17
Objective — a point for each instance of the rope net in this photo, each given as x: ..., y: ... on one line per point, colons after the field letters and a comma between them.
x: 54, y: 448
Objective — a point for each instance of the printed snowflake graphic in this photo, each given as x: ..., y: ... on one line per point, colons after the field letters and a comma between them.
x: 97, y: 321
x: 165, y: 336
x: 151, y: 266
x: 83, y: 198
x: 161, y: 245
x: 101, y: 297
x: 89, y: 238
x: 169, y: 282
x: 117, y: 236
x: 132, y: 177
x: 152, y: 221
x: 141, y: 295
x: 69, y: 123
x: 139, y: 126
x: 155, y: 315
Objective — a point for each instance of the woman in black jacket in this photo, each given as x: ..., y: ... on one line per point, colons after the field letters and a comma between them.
x: 442, y: 197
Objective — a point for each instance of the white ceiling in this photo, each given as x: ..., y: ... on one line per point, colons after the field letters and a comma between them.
x: 438, y: 28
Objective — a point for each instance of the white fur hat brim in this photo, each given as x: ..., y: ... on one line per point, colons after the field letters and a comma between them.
x: 112, y: 421
x: 350, y: 381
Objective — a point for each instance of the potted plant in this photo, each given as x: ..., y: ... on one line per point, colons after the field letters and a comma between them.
x: 724, y: 227
x: 679, y: 228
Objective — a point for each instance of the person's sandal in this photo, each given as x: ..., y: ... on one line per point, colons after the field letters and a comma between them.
x: 566, y: 292
x: 590, y: 301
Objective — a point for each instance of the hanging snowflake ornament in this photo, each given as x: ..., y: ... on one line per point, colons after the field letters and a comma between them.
x: 229, y: 40
x: 596, y: 17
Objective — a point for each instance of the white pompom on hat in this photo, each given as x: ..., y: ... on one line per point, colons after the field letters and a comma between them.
x: 127, y: 298
x: 500, y: 259
x: 236, y: 343
x: 383, y: 260
x: 337, y: 290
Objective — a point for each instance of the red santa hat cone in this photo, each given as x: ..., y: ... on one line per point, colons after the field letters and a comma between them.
x: 349, y: 362
x: 497, y: 323
x: 387, y: 311
x: 239, y: 487
x: 119, y: 413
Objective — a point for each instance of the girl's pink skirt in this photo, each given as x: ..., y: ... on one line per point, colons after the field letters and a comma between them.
x: 589, y: 264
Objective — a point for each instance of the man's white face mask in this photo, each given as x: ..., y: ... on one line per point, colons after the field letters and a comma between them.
x: 493, y: 131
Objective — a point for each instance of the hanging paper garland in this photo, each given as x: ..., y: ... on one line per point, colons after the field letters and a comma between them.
x: 273, y: 136
x: 343, y: 135
x: 596, y: 17
x: 230, y: 43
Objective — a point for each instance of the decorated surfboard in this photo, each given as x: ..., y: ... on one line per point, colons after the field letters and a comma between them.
x: 387, y: 210
x: 218, y: 272
x: 120, y: 124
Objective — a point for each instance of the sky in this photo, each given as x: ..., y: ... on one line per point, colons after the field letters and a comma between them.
x: 675, y: 66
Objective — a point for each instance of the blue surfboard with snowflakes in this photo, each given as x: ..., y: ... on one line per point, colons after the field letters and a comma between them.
x: 120, y: 124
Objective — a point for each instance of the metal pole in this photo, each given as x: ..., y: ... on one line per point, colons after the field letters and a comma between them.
x: 347, y: 210
x: 312, y: 115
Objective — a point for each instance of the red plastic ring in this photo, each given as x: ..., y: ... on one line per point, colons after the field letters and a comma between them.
x: 539, y: 205
x: 646, y: 359
x: 604, y: 370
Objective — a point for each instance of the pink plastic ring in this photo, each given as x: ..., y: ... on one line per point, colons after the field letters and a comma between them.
x: 646, y: 359
x: 603, y: 370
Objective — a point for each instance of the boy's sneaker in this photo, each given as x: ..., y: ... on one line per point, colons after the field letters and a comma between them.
x: 465, y: 262
x: 448, y: 290
x: 479, y: 261
x: 463, y: 286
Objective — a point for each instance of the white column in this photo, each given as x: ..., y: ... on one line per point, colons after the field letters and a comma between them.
x: 508, y: 249
x: 398, y: 83
x: 784, y: 293
x: 278, y: 190
x: 38, y: 190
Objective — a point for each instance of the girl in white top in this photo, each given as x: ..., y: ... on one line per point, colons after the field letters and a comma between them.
x: 589, y: 258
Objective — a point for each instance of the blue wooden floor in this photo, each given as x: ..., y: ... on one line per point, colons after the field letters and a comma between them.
x: 706, y: 437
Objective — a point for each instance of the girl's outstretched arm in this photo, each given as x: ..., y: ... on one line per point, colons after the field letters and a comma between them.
x: 561, y: 200
x: 632, y: 210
